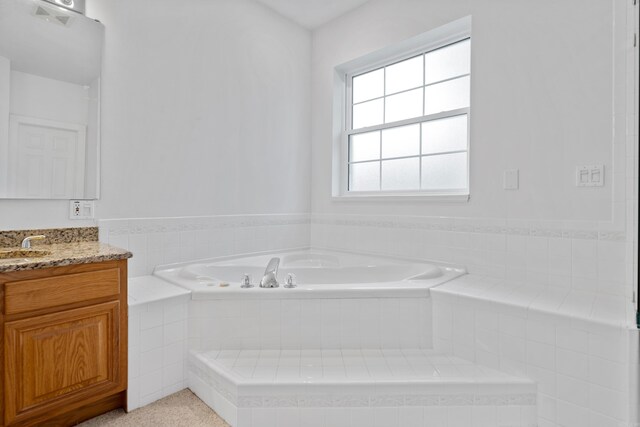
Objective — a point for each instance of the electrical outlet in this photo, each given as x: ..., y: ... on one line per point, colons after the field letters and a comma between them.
x: 74, y: 206
x: 81, y: 209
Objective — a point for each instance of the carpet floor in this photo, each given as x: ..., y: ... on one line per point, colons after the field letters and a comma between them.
x: 182, y: 409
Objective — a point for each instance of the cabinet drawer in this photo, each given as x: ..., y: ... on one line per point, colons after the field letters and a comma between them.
x: 37, y: 294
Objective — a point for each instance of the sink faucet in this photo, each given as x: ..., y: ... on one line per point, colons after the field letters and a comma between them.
x: 26, y: 243
x: 270, y: 279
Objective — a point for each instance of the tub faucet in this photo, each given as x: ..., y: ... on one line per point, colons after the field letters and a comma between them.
x: 270, y: 279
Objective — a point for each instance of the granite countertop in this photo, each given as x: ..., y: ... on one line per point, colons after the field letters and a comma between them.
x: 65, y: 254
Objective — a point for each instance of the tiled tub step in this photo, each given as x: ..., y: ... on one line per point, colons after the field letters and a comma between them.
x: 358, y: 388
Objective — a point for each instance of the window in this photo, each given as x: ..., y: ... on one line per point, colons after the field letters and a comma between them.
x: 406, y: 129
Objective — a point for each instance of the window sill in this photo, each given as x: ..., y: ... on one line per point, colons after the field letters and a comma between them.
x: 406, y: 197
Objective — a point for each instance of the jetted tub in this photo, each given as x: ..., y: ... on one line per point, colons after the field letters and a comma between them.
x: 318, y: 274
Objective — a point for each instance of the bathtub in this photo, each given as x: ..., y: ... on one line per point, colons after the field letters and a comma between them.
x: 318, y: 274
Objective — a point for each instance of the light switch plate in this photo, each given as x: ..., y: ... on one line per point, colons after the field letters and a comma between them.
x: 590, y: 176
x: 81, y: 209
x: 511, y: 179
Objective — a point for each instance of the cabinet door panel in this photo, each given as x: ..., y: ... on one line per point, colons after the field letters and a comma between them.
x: 60, y: 359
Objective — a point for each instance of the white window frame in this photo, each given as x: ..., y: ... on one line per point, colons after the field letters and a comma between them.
x: 453, y: 32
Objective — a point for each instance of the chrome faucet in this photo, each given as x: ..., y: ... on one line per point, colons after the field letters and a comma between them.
x: 26, y: 242
x: 270, y: 278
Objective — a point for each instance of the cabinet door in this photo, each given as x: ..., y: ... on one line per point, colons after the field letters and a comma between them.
x: 60, y: 361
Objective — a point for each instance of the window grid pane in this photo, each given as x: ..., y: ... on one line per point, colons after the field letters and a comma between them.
x: 368, y: 86
x: 441, y: 160
x: 404, y: 75
x: 364, y: 146
x: 401, y: 141
x: 440, y: 166
x: 444, y: 172
x: 364, y: 176
x: 370, y: 91
x: 404, y: 105
x: 401, y: 174
x: 369, y: 113
x: 444, y: 135
x: 447, y: 96
x: 447, y: 62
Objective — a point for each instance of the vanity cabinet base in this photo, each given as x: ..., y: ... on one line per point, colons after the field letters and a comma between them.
x: 64, y: 358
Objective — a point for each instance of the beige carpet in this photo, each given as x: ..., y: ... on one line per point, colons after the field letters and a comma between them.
x: 177, y: 410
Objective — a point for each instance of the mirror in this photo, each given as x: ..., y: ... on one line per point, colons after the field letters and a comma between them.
x: 50, y: 62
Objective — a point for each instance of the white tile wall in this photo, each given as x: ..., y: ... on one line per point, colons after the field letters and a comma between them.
x: 157, y: 340
x: 554, y: 255
x: 310, y: 323
x: 342, y: 377
x: 428, y: 416
x: 158, y: 241
x: 582, y: 367
x: 427, y: 400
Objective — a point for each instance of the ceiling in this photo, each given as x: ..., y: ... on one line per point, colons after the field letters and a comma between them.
x: 312, y: 13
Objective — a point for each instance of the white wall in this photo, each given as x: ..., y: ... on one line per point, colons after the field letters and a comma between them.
x: 205, y: 110
x: 541, y: 102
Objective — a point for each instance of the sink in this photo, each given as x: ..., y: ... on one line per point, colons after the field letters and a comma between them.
x: 23, y: 253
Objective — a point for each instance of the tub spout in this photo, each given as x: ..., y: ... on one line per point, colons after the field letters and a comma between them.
x: 270, y: 278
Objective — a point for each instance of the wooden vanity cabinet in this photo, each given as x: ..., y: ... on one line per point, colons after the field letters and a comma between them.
x: 64, y: 343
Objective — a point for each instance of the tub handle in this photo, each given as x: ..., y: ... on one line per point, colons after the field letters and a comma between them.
x: 245, y: 282
x: 290, y: 281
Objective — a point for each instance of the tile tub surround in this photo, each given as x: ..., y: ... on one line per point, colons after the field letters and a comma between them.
x: 578, y: 255
x: 83, y: 252
x: 159, y: 241
x: 556, y: 253
x: 157, y: 340
x: 579, y: 306
x: 581, y: 364
x: 347, y: 323
x: 402, y: 388
x: 316, y: 348
x: 577, y: 362
x: 584, y: 256
x: 10, y: 238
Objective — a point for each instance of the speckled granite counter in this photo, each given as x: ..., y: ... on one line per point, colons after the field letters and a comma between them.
x: 11, y: 238
x: 66, y: 254
x: 68, y: 246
